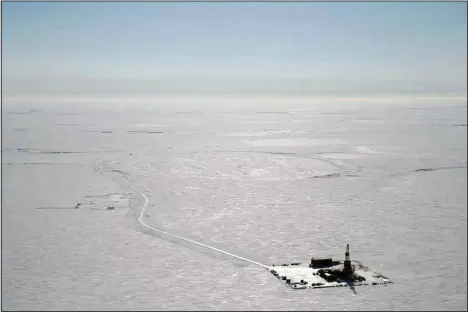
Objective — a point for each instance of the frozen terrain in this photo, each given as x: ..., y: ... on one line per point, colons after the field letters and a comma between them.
x: 271, y: 186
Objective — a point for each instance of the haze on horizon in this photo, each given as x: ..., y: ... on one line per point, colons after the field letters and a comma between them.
x: 243, y: 49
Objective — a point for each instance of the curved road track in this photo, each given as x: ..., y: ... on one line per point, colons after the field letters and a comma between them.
x: 142, y: 222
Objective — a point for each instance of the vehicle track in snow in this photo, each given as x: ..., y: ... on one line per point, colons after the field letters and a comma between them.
x: 144, y: 224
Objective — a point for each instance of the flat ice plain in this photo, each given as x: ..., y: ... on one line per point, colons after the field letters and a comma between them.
x: 272, y: 186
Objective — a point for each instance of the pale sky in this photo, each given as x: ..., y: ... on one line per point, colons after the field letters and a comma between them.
x: 237, y: 48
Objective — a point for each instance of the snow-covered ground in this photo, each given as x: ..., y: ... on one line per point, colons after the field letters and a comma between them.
x: 276, y: 187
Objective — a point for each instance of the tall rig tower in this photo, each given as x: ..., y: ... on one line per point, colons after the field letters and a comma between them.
x: 347, y: 263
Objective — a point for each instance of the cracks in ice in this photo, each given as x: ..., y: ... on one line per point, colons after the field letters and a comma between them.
x: 42, y: 163
x: 39, y: 151
x: 428, y: 169
x: 343, y: 171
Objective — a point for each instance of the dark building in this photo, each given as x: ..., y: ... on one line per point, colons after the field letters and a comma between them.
x: 320, y: 262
